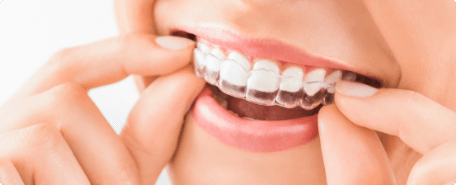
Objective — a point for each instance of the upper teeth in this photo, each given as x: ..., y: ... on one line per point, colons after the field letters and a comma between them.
x: 263, y: 82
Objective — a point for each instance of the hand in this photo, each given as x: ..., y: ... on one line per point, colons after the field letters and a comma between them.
x: 353, y: 153
x: 52, y: 133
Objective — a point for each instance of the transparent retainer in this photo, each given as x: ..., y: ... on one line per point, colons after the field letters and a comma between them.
x: 308, y: 96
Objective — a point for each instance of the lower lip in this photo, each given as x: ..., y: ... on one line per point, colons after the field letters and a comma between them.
x: 255, y: 136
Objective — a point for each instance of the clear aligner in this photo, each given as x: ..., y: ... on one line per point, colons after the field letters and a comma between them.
x: 262, y: 83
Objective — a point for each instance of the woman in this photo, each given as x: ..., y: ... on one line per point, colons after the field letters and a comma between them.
x: 394, y: 125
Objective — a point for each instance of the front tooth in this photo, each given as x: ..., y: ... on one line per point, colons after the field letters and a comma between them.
x: 267, y: 65
x: 262, y: 87
x: 314, y: 81
x: 218, y: 53
x: 200, y: 62
x: 290, y: 87
x: 240, y: 59
x: 332, y: 79
x: 233, y: 79
x: 212, y: 69
x: 203, y: 47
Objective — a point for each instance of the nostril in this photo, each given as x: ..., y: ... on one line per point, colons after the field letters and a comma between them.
x: 184, y: 34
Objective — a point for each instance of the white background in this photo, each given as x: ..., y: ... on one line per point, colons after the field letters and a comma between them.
x: 32, y: 30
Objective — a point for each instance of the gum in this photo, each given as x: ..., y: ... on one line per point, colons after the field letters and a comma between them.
x: 280, y: 97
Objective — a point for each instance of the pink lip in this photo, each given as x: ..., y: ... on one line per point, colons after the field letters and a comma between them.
x: 255, y: 136
x: 262, y: 48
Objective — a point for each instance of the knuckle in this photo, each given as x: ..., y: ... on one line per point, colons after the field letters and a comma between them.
x: 58, y: 60
x: 127, y: 171
x: 68, y: 92
x: 127, y: 39
x: 41, y: 135
x: 413, y: 98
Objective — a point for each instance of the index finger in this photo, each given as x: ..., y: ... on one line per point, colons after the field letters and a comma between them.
x: 111, y: 60
x: 351, y: 154
x: 417, y: 120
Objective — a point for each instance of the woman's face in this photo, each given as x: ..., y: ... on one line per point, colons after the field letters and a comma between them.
x: 403, y: 44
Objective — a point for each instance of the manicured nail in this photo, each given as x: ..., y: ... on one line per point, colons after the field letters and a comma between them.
x: 355, y: 89
x: 173, y: 43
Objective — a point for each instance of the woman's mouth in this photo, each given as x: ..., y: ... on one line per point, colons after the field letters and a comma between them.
x: 256, y: 103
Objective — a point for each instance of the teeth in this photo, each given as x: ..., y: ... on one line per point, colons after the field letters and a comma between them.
x: 333, y: 78
x: 240, y: 59
x: 234, y: 113
x: 290, y: 87
x: 294, y: 72
x: 313, y: 89
x: 233, y: 79
x: 200, y: 62
x: 314, y: 81
x: 266, y: 65
x: 212, y: 69
x: 249, y: 118
x: 350, y: 77
x: 203, y: 47
x: 262, y: 87
x: 262, y: 83
x: 218, y: 53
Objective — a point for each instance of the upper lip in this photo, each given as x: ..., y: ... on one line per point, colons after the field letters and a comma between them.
x: 262, y: 48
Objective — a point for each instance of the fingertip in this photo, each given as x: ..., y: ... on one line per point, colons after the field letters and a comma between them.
x: 174, y: 43
x: 325, y: 116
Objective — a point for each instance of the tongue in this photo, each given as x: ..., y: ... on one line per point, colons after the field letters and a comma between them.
x: 245, y: 108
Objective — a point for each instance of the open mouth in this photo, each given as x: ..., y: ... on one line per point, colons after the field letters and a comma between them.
x: 256, y: 103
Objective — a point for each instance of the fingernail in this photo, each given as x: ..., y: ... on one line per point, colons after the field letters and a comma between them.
x: 355, y: 89
x: 173, y: 43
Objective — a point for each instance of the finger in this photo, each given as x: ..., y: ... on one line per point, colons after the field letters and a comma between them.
x: 109, y: 61
x: 155, y: 122
x: 8, y: 173
x: 99, y: 150
x: 42, y: 156
x: 135, y: 16
x: 436, y: 167
x: 420, y: 122
x: 351, y: 154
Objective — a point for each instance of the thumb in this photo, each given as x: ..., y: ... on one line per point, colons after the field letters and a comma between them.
x: 351, y: 154
x: 155, y: 122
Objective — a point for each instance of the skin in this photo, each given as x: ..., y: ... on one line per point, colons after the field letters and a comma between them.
x: 401, y: 134
x: 381, y: 38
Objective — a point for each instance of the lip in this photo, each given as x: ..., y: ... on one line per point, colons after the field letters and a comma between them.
x: 262, y: 48
x: 255, y: 136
